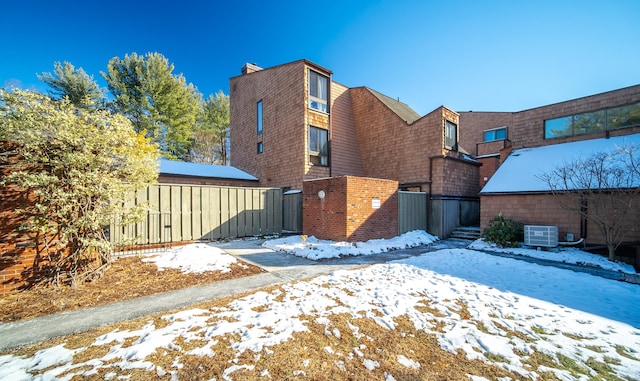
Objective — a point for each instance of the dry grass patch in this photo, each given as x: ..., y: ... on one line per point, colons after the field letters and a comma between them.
x: 337, y: 347
x: 127, y: 278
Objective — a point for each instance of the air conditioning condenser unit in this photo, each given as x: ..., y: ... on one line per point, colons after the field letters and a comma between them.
x: 541, y: 236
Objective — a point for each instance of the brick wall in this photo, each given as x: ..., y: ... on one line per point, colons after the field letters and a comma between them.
x: 346, y: 213
x: 542, y: 209
x: 22, y: 254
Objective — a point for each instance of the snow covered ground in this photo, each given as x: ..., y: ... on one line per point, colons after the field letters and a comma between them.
x: 193, y: 258
x: 513, y: 310
x: 561, y: 254
x: 313, y: 248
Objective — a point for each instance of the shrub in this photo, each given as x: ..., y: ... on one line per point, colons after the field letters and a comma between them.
x: 76, y: 165
x: 504, y: 232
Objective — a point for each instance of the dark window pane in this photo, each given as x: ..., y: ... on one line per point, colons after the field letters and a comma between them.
x: 313, y: 139
x: 318, y: 146
x: 313, y: 84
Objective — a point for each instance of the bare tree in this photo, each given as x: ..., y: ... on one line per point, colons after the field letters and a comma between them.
x: 603, y: 188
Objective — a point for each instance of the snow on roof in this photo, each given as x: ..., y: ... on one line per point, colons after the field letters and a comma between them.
x: 520, y: 171
x: 169, y: 167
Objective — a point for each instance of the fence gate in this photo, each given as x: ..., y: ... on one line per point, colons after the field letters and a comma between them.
x: 292, y: 212
x: 412, y: 211
x: 192, y: 212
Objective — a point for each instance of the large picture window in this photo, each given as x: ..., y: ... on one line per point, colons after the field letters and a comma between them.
x: 318, y: 146
x: 593, y: 121
x: 318, y: 91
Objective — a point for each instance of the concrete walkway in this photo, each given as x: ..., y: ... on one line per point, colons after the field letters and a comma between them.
x: 280, y: 268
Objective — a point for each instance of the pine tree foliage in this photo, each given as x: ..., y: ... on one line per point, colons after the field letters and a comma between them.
x: 210, y: 141
x: 76, y: 163
x: 158, y: 102
x: 74, y: 84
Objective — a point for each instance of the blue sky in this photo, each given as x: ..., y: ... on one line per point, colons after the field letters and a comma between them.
x: 466, y: 55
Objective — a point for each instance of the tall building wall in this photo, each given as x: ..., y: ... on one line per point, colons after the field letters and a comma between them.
x: 345, y: 150
x: 390, y: 147
x: 283, y: 137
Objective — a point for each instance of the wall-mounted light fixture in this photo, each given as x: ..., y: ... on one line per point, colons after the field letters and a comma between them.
x: 321, y: 194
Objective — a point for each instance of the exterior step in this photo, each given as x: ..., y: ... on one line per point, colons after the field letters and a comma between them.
x: 466, y: 232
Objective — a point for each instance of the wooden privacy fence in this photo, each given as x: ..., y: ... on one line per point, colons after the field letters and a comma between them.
x: 192, y: 212
x: 412, y: 211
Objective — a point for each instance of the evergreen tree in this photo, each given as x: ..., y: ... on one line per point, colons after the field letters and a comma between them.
x: 68, y: 82
x: 156, y: 101
x: 211, y: 137
x: 73, y: 164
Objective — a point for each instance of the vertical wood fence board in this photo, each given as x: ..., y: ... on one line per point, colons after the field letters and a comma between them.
x: 233, y: 212
x: 248, y: 212
x: 216, y: 213
x: 196, y: 213
x: 205, y: 215
x: 185, y: 210
x: 240, y: 209
x: 225, y: 229
x: 255, y: 212
x: 176, y: 215
x: 277, y: 210
x: 165, y: 210
x: 153, y: 215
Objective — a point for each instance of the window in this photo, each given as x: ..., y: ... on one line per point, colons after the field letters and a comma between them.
x: 555, y: 128
x: 593, y: 121
x: 260, y: 148
x: 623, y: 116
x: 318, y: 146
x: 259, y: 116
x: 450, y: 135
x: 495, y: 134
x: 318, y: 90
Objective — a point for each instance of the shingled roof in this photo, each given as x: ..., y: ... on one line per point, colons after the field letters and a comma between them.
x: 403, y: 110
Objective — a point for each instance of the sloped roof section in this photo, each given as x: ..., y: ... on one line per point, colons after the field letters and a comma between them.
x: 180, y: 168
x: 521, y: 170
x: 403, y: 110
